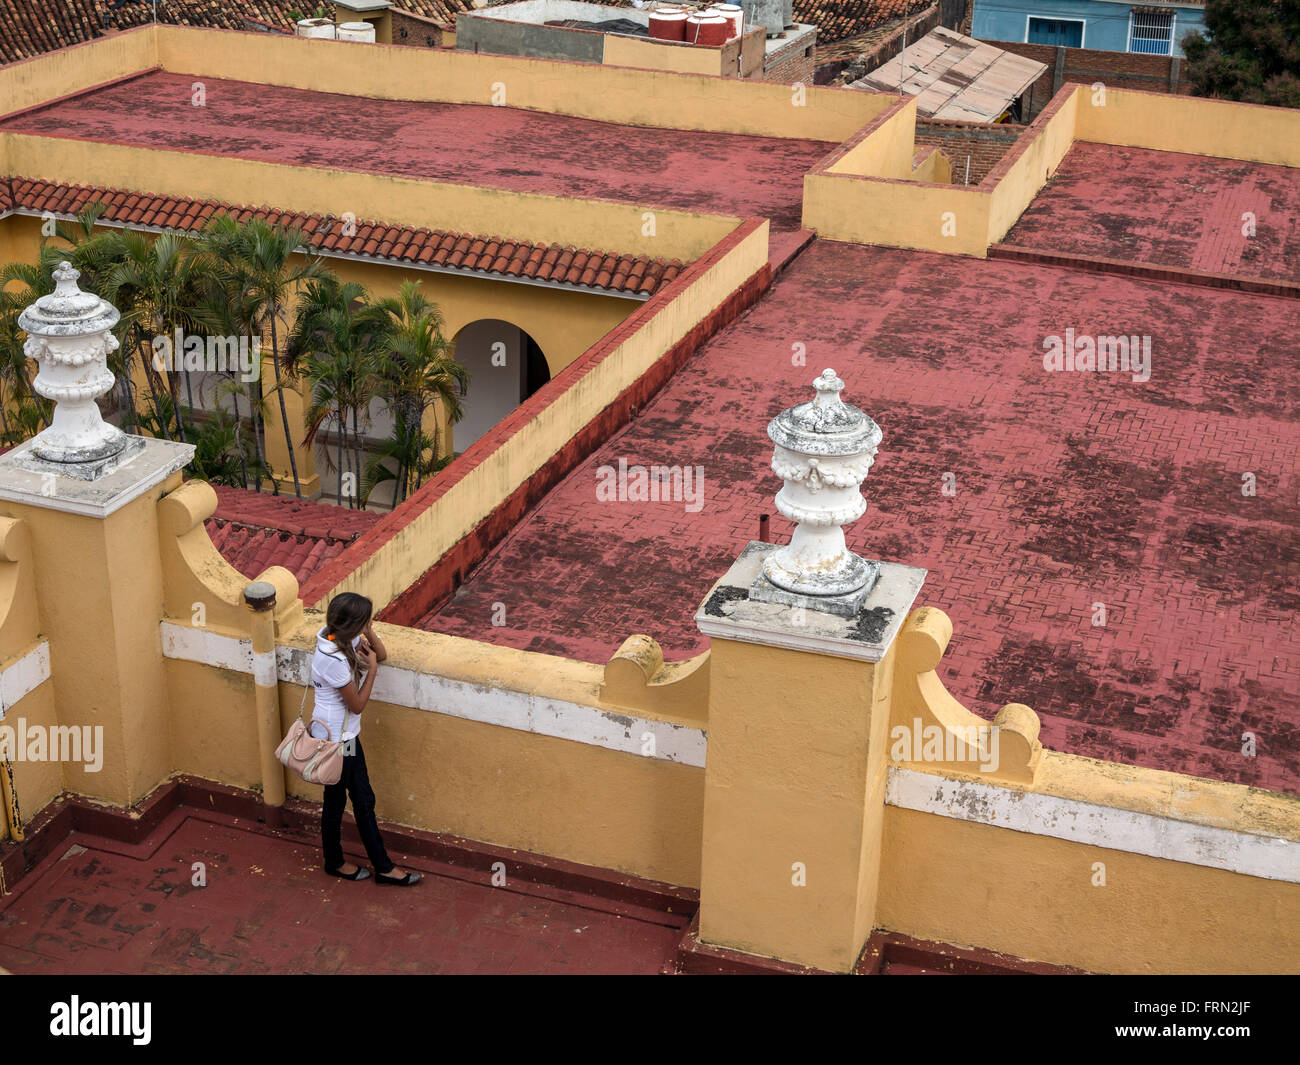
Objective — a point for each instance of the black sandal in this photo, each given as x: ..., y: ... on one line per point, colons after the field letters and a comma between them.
x: 359, y: 873
x: 400, y: 881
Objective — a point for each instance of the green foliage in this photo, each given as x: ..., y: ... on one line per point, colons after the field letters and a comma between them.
x: 219, y: 456
x: 1250, y: 51
x: 419, y: 376
x: 240, y: 279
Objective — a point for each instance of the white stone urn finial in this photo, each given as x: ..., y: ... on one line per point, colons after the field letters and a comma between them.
x: 823, y: 450
x: 69, y: 333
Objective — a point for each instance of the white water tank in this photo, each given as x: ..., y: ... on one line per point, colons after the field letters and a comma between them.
x: 357, y: 31
x: 315, y: 27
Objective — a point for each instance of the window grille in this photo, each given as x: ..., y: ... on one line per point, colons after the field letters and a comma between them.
x: 1151, y: 31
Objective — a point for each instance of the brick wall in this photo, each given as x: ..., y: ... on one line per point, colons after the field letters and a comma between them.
x: 985, y: 144
x: 795, y: 63
x: 952, y: 13
x: 1122, y: 70
x: 416, y: 30
x: 257, y: 25
x: 876, y: 48
x: 911, y: 32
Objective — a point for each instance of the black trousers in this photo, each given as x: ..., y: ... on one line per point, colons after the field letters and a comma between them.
x: 354, y: 784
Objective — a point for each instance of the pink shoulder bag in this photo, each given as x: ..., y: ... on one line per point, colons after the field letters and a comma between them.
x: 317, y: 761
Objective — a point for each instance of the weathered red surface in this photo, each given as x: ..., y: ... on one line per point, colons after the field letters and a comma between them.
x: 495, y: 147
x: 1168, y: 209
x: 96, y: 906
x: 1072, y: 489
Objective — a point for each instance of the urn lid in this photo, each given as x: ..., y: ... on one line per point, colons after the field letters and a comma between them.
x: 825, y: 426
x: 67, y: 311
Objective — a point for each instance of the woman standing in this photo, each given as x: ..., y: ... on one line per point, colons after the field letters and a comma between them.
x: 347, y: 650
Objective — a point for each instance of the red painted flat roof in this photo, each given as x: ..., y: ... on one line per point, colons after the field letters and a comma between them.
x: 1072, y: 489
x: 1169, y: 209
x: 494, y: 147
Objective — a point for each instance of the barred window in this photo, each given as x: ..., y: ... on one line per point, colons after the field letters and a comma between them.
x: 1151, y: 31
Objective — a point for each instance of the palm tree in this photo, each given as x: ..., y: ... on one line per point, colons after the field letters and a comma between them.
x: 231, y: 312
x: 337, y: 342
x: 158, y: 286
x: 219, y: 454
x: 257, y: 267
x: 420, y: 374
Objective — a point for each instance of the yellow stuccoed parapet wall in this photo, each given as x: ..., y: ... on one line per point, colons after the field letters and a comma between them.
x: 799, y: 705
x: 95, y: 550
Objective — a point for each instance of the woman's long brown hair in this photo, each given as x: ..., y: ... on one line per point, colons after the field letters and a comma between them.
x: 347, y: 616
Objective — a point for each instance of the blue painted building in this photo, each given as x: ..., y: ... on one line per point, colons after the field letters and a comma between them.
x: 1109, y: 25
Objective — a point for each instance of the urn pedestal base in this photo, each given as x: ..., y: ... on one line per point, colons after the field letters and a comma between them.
x: 89, y: 465
x: 845, y: 605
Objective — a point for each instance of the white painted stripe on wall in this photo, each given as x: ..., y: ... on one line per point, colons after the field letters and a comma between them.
x: 1094, y: 825
x: 264, y: 671
x: 212, y: 649
x: 24, y: 676
x: 472, y: 702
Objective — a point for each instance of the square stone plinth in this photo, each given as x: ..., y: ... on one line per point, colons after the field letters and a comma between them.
x: 24, y: 478
x: 731, y: 613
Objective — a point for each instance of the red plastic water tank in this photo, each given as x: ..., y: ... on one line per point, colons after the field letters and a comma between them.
x: 733, y: 13
x: 668, y: 25
x: 707, y: 29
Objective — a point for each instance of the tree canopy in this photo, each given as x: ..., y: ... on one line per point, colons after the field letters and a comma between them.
x: 1249, y: 51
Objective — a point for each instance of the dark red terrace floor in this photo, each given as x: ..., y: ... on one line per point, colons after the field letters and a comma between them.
x: 496, y: 147
x: 1071, y: 489
x: 1169, y: 209
x: 108, y: 908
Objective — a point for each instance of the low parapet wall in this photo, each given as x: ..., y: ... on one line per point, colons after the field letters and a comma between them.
x: 488, y: 743
x: 862, y: 192
x: 1099, y: 866
x: 45, y: 78
x: 659, y: 99
x: 403, y: 201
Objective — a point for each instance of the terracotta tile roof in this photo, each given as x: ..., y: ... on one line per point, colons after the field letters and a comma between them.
x: 30, y: 27
x: 838, y: 19
x: 858, y: 44
x: 254, y: 530
x: 555, y: 263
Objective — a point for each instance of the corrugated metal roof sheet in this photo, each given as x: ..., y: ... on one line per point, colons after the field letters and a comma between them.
x: 955, y: 77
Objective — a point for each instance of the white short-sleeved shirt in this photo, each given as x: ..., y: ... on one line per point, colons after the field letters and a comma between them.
x: 330, y: 672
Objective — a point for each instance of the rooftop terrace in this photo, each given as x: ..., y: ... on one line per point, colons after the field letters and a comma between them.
x: 492, y: 147
x: 1169, y: 209
x: 98, y: 906
x: 1072, y: 489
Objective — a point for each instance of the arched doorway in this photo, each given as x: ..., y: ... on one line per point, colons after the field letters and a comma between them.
x: 505, y: 365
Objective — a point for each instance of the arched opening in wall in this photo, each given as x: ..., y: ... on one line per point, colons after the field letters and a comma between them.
x: 506, y: 366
